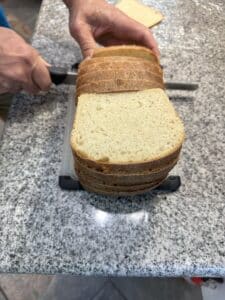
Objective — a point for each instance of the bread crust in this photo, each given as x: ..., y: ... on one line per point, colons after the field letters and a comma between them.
x: 133, y: 167
x: 115, y: 62
x: 117, y: 85
x: 128, y: 50
x: 116, y: 187
x: 122, y: 178
x: 117, y: 74
x: 118, y: 191
x: 109, y: 192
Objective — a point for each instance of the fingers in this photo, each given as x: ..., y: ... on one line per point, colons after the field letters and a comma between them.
x: 40, y: 76
x: 83, y: 34
x: 150, y: 42
x: 7, y: 86
x: 124, y: 27
x: 31, y: 89
x: 110, y: 40
x: 20, y: 76
x: 89, y: 22
x: 21, y: 67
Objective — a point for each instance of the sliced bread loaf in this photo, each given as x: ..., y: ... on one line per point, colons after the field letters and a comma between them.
x: 126, y: 135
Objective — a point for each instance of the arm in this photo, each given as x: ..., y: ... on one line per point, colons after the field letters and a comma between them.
x: 21, y: 67
x: 94, y: 21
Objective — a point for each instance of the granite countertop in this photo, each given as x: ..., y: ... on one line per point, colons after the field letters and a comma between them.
x: 44, y: 229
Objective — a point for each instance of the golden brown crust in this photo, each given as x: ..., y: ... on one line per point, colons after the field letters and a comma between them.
x: 128, y: 50
x: 109, y: 192
x: 121, y: 188
x: 127, y: 189
x: 118, y: 85
x: 129, y: 167
x: 112, y: 63
x: 124, y: 178
x: 110, y: 71
x: 117, y: 74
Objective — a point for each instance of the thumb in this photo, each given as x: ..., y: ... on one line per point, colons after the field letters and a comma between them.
x: 44, y: 62
x: 84, y: 37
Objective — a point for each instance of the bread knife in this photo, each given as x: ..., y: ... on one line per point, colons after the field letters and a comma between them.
x: 60, y: 75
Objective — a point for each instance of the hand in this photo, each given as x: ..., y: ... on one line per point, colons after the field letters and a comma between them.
x: 96, y: 20
x: 21, y: 67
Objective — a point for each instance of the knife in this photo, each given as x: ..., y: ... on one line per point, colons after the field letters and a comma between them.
x: 60, y: 75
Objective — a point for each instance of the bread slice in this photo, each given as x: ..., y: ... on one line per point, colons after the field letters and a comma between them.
x: 113, y: 193
x: 122, y: 178
x: 141, y: 13
x: 117, y: 85
x: 116, y: 62
x: 128, y: 131
x: 118, y: 74
x: 121, y: 181
x: 126, y: 50
x: 116, y: 187
x: 117, y: 190
x: 153, y: 168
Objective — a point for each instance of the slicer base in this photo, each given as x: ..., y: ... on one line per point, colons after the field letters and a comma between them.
x: 171, y: 184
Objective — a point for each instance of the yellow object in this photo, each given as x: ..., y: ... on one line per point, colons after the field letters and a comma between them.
x: 141, y: 13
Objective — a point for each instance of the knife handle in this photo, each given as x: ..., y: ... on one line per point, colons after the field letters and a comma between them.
x: 186, y: 86
x: 57, y: 74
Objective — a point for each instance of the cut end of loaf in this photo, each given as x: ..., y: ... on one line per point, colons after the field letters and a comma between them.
x: 130, y: 127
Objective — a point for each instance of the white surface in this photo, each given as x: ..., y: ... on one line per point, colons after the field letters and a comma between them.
x: 214, y: 294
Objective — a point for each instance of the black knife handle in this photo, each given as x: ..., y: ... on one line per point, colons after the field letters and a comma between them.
x: 58, y: 74
x: 181, y: 86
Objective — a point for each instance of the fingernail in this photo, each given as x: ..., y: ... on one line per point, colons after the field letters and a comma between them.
x: 44, y: 61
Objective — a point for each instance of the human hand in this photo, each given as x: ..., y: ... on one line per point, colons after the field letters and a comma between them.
x: 21, y: 67
x: 94, y: 21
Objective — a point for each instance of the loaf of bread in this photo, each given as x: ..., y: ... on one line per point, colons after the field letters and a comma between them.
x: 127, y: 135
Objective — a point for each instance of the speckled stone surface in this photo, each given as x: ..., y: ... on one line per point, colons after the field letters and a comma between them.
x: 46, y: 230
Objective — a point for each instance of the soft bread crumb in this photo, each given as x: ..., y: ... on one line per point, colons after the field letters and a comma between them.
x: 126, y: 127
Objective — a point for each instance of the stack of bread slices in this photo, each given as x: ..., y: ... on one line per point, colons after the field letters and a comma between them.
x: 127, y: 135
